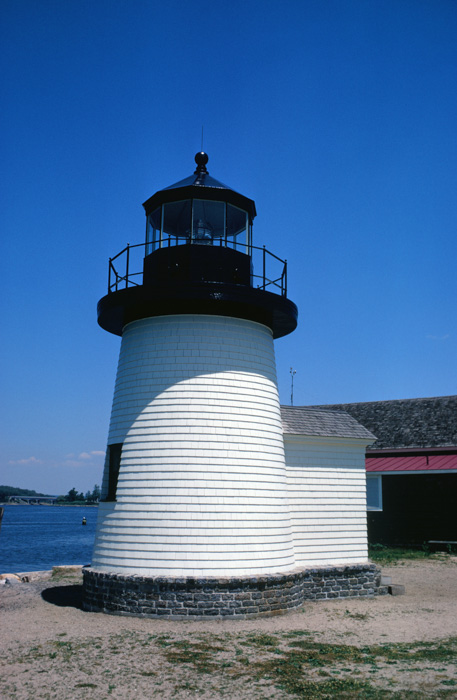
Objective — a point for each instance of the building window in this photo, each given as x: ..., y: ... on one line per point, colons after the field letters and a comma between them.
x: 114, y: 462
x: 374, y: 492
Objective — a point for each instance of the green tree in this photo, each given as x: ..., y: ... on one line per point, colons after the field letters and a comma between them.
x: 72, y: 495
x: 7, y: 491
x: 96, y: 493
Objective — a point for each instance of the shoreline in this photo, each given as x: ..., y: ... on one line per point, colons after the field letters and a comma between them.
x: 42, y: 575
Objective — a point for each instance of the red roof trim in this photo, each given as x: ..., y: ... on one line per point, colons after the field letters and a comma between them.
x: 411, y: 464
x: 372, y: 451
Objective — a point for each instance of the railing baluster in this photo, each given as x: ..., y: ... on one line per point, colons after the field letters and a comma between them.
x: 279, y: 283
x: 264, y: 265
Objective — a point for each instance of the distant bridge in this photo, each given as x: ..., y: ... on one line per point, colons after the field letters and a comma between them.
x: 16, y: 498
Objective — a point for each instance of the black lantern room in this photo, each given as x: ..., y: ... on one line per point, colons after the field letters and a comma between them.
x: 198, y: 259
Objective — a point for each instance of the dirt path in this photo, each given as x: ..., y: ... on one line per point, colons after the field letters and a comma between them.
x: 51, y: 648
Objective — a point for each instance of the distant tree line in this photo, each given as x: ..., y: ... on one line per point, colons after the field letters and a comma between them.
x: 7, y: 491
x: 73, y: 496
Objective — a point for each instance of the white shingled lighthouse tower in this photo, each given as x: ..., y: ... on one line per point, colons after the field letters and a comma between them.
x: 194, y: 481
x: 199, y: 514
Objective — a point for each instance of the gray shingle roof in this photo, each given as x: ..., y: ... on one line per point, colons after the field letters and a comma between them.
x: 305, y: 420
x: 428, y: 422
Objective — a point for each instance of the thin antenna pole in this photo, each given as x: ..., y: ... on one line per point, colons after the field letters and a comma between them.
x: 202, y: 140
x: 293, y: 372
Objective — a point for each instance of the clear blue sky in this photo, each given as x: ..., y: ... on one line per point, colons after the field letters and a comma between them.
x: 337, y: 117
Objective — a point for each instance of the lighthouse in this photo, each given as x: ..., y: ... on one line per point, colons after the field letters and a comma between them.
x: 194, y: 517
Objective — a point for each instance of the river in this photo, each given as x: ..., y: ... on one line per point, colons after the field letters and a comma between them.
x: 35, y: 538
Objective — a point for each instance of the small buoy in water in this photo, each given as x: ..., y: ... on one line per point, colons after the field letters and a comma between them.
x: 84, y: 521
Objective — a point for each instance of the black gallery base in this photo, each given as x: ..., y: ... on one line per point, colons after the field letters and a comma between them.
x: 240, y: 597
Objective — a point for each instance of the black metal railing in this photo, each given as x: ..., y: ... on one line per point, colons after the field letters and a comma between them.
x: 128, y: 271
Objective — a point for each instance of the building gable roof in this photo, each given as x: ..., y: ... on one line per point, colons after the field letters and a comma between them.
x: 321, y: 422
x: 407, y: 423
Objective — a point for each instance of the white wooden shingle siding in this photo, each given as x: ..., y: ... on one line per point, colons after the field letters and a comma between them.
x: 202, y: 482
x: 327, y: 496
x: 204, y: 487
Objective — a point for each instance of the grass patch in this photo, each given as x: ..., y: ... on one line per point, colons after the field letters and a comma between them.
x: 163, y: 641
x: 263, y: 640
x: 252, y: 664
x: 433, y: 652
x: 381, y: 554
x: 302, y: 667
x: 199, y: 654
x: 334, y: 667
x: 318, y: 654
x: 356, y: 615
x: 66, y: 572
x: 329, y: 688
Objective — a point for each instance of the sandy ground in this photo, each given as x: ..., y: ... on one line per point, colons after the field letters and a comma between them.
x: 51, y: 648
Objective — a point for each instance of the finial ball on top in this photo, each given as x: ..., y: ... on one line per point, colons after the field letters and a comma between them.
x: 201, y: 158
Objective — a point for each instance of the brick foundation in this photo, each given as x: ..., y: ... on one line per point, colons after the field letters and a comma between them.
x: 251, y: 596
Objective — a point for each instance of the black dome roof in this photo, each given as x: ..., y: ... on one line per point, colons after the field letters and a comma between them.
x: 200, y: 185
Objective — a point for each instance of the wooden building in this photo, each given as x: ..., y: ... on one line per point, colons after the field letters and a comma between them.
x: 411, y: 469
x: 325, y: 466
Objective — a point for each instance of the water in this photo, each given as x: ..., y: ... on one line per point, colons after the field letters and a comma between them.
x: 36, y: 538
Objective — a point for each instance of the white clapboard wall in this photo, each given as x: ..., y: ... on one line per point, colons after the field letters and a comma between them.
x: 202, y: 483
x: 327, y: 497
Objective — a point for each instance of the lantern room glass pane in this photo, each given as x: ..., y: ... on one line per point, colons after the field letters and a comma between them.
x: 237, y: 227
x: 153, y: 230
x: 208, y: 221
x: 176, y: 220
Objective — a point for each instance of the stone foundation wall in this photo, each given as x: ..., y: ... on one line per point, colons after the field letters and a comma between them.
x: 250, y: 596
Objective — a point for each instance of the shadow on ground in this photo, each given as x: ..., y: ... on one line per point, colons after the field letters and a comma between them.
x: 64, y: 596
